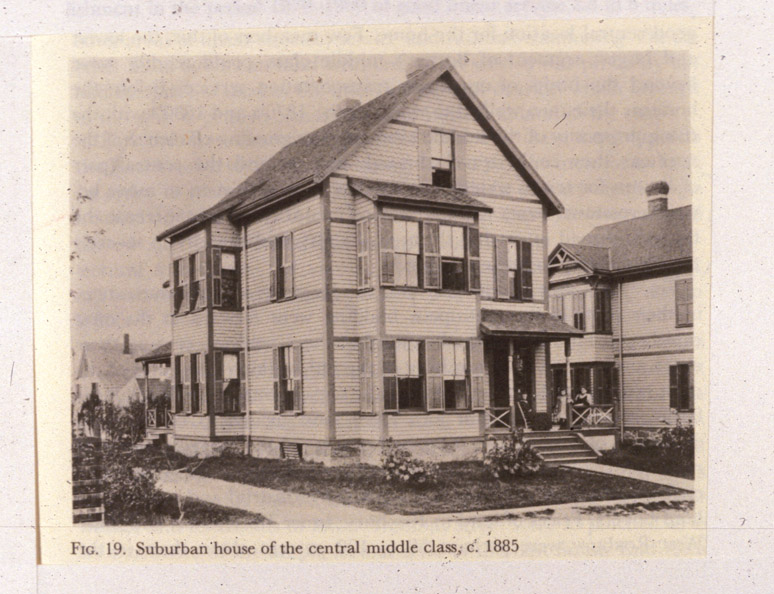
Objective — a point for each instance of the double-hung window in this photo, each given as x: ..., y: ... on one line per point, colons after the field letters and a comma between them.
x: 179, y: 373
x: 229, y: 382
x: 225, y: 278
x: 579, y: 311
x: 198, y: 276
x: 684, y: 302
x: 602, y: 319
x: 681, y: 386
x: 513, y: 263
x: 363, y: 255
x: 403, y: 389
x: 281, y: 267
x: 406, y: 246
x: 287, y: 379
x: 180, y: 270
x: 556, y: 305
x: 452, y: 239
x: 442, y: 159
x: 196, y: 392
x: 455, y: 371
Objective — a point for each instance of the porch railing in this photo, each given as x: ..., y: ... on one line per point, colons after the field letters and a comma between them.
x: 159, y: 419
x: 498, y: 418
x: 150, y: 418
x: 596, y: 415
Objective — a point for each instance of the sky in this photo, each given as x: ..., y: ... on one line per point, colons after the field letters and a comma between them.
x: 155, y: 140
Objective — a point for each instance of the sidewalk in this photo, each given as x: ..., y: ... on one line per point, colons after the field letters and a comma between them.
x: 278, y: 506
x: 648, y: 477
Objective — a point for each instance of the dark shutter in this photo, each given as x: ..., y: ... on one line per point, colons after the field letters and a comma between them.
x: 525, y: 253
x: 187, y: 383
x: 674, y: 393
x: 172, y: 285
x: 273, y: 269
x: 203, y: 375
x: 216, y: 277
x: 431, y: 248
x: 460, y: 161
x: 424, y: 165
x: 388, y: 373
x: 298, y: 380
x: 474, y: 260
x: 175, y: 382
x: 386, y: 252
x: 287, y: 264
x: 501, y: 268
x: 434, y: 374
x: 366, y: 381
x: 203, y: 278
x: 275, y: 374
x: 242, y: 383
x: 690, y: 387
x: 476, y: 366
x: 218, y: 396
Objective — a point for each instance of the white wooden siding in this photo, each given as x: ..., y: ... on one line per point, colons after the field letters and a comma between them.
x: 364, y: 207
x: 646, y: 390
x: 566, y: 274
x: 342, y: 200
x: 225, y: 234
x: 189, y: 333
x: 344, y: 255
x: 292, y: 217
x: 287, y: 322
x: 390, y: 155
x: 296, y: 429
x: 260, y: 377
x: 512, y: 219
x: 370, y: 427
x: 230, y: 425
x: 409, y: 313
x: 512, y: 305
x: 467, y: 219
x: 257, y: 266
x: 348, y: 427
x: 591, y: 348
x: 649, y: 306
x: 188, y: 245
x: 440, y: 107
x: 681, y: 342
x: 541, y: 401
x: 307, y: 259
x: 192, y: 425
x: 367, y: 305
x: 431, y: 426
x: 490, y: 172
x: 345, y: 314
x: 347, y: 374
x: 227, y: 329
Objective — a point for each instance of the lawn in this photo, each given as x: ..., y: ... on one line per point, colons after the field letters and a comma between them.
x: 195, y: 513
x: 461, y: 486
x: 647, y: 459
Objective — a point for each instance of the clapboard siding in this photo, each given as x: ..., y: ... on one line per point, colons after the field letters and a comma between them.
x: 512, y: 219
x: 367, y: 305
x: 370, y: 427
x: 307, y: 259
x: 364, y: 207
x: 260, y: 378
x: 649, y: 306
x: 348, y: 427
x: 286, y: 322
x: 292, y: 217
x: 646, y: 390
x: 230, y: 425
x: 257, y: 274
x: 654, y: 344
x: 590, y: 348
x: 342, y: 200
x: 225, y: 234
x: 190, y: 244
x: 431, y: 426
x: 512, y: 305
x: 345, y: 314
x: 295, y: 429
x: 409, y: 313
x: 189, y: 333
x: 347, y: 376
x: 344, y: 255
x: 440, y: 107
x: 227, y: 329
x: 467, y: 219
x: 390, y: 155
x: 194, y: 426
x: 490, y: 172
x: 541, y: 401
x: 566, y: 274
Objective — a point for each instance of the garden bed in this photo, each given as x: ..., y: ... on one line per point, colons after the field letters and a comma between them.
x: 648, y: 459
x: 461, y: 486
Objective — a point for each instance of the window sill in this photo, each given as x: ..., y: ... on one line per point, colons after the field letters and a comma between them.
x: 221, y: 308
x: 502, y: 300
x: 185, y: 313
x: 230, y: 414
x: 417, y: 413
x: 283, y: 299
x: 423, y: 290
x: 365, y: 290
x: 294, y: 413
x: 683, y: 325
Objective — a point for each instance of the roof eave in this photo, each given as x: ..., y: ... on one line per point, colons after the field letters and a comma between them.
x: 523, y: 334
x: 652, y: 267
x: 252, y: 207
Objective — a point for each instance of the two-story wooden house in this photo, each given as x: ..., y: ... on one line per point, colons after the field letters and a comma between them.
x: 383, y: 277
x: 628, y: 287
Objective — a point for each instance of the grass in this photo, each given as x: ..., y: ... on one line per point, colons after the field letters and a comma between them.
x: 196, y: 513
x: 462, y: 486
x: 647, y: 459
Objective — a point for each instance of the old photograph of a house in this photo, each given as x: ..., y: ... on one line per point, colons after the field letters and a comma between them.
x: 382, y: 288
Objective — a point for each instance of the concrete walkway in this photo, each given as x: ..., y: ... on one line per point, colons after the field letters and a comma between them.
x: 278, y: 506
x: 648, y: 477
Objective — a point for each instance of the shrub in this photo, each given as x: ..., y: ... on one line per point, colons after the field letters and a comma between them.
x: 677, y: 443
x: 542, y: 422
x: 512, y: 457
x: 401, y: 467
x: 130, y: 494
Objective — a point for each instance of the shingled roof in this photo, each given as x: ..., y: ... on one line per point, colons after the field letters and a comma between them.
x: 421, y: 195
x: 310, y: 159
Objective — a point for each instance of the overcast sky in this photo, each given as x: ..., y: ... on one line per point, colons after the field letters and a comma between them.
x: 155, y: 140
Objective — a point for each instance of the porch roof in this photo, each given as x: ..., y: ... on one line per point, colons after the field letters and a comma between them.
x: 408, y: 195
x: 532, y: 324
x: 162, y: 354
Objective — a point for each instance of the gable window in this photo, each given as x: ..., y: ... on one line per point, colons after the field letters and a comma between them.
x: 402, y: 378
x: 684, y: 302
x: 180, y: 269
x: 281, y: 267
x: 363, y: 254
x: 452, y: 240
x: 225, y: 278
x: 556, y: 306
x: 198, y: 287
x: 406, y: 247
x: 441, y: 159
x: 681, y: 386
x: 287, y: 379
x: 579, y: 311
x: 455, y: 371
x: 513, y: 267
x: 602, y: 321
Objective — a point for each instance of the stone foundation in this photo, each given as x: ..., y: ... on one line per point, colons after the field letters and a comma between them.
x: 206, y: 449
x: 265, y: 449
x: 601, y: 443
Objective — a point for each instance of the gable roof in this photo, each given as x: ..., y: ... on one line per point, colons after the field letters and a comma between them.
x: 108, y: 363
x: 657, y: 239
x: 157, y: 355
x: 417, y: 195
x: 310, y: 159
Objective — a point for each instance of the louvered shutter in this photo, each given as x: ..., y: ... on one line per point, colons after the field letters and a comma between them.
x: 365, y: 357
x: 614, y: 385
x: 203, y: 278
x: 388, y: 373
x: 474, y: 260
x: 525, y: 252
x: 172, y: 285
x: 187, y: 383
x: 386, y: 252
x: 287, y: 264
x: 425, y: 167
x: 690, y: 387
x: 275, y: 375
x: 431, y: 247
x: 476, y: 366
x: 216, y: 280
x: 298, y: 380
x: 460, y: 161
x: 203, y: 373
x: 242, y: 383
x: 501, y: 268
x: 175, y: 382
x: 434, y: 374
x: 674, y: 394
x: 218, y: 397
x: 273, y: 269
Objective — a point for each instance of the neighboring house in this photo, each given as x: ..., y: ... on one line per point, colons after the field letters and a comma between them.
x: 630, y: 280
x: 135, y: 389
x: 383, y: 277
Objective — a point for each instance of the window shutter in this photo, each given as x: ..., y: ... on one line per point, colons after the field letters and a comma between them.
x: 218, y: 398
x: 525, y: 252
x: 172, y: 285
x: 386, y: 252
x: 474, y: 260
x: 287, y: 257
x: 434, y: 374
x: 431, y: 246
x: 175, y: 382
x: 187, y: 383
x: 501, y: 268
x: 203, y: 278
x: 425, y: 167
x: 216, y: 281
x: 690, y: 386
x: 363, y: 255
x: 674, y: 394
x: 388, y: 372
x: 460, y: 161
x: 203, y: 367
x: 298, y: 380
x: 275, y: 373
x: 273, y: 269
x: 476, y: 366
x: 242, y: 386
x: 366, y: 379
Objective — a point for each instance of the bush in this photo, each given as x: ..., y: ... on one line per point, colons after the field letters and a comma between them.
x: 677, y: 443
x: 542, y: 422
x: 130, y: 494
x: 512, y: 457
x: 401, y: 467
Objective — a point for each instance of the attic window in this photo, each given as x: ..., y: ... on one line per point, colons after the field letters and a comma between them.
x: 442, y: 159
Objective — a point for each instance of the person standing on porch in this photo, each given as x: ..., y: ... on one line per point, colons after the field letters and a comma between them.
x: 560, y: 410
x: 580, y: 404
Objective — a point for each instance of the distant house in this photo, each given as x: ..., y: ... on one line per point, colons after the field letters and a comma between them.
x: 139, y: 387
x: 628, y: 287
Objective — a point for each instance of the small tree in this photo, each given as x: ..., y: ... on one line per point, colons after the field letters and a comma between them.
x: 91, y: 410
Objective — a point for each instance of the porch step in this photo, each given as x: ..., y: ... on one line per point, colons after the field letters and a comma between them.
x: 560, y: 447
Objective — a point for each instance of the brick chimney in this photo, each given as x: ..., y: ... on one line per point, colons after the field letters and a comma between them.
x: 417, y: 65
x: 127, y: 346
x: 657, y: 193
x: 346, y: 105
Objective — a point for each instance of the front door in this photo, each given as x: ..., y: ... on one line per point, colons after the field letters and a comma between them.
x: 523, y: 373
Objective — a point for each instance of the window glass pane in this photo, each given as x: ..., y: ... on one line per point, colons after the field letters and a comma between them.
x: 513, y: 260
x: 399, y: 236
x: 448, y: 358
x: 412, y: 237
x: 412, y: 271
x: 435, y: 144
x: 458, y: 242
x: 414, y: 357
x: 453, y: 275
x: 402, y: 357
x: 461, y: 358
x: 400, y: 269
x: 446, y: 240
x: 230, y: 366
x: 228, y: 261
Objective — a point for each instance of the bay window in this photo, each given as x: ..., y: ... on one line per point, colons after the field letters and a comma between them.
x: 406, y: 247
x: 681, y: 386
x: 225, y: 278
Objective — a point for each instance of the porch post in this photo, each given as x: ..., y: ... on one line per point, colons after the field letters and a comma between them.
x: 147, y: 394
x: 568, y: 378
x: 511, y: 388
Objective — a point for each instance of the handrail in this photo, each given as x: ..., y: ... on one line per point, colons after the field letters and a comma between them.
x: 594, y: 415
